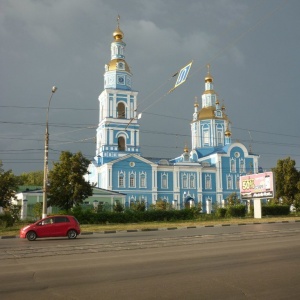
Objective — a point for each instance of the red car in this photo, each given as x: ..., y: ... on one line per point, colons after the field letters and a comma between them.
x: 53, y: 226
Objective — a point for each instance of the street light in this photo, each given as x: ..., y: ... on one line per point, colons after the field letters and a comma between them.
x: 54, y: 88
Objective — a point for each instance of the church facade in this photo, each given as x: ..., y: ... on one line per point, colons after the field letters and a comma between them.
x: 205, y: 175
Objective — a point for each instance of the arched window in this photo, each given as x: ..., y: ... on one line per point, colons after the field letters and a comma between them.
x: 121, y: 110
x: 229, y: 183
x: 143, y: 180
x: 208, y: 182
x: 164, y: 181
x: 192, y: 182
x: 132, y: 180
x: 232, y: 165
x: 242, y: 166
x: 237, y: 182
x: 220, y: 142
x: 206, y: 137
x: 121, y: 143
x: 121, y: 180
x: 184, y: 181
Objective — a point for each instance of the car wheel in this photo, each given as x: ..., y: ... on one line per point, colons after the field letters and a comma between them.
x: 31, y: 236
x: 72, y: 234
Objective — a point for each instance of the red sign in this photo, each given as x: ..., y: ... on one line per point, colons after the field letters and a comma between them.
x: 259, y: 185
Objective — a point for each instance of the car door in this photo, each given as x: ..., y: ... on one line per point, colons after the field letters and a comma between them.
x: 45, y: 228
x: 61, y: 224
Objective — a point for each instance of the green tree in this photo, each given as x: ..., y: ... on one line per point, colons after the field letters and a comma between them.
x: 8, y: 186
x: 296, y: 202
x: 233, y: 199
x: 32, y: 178
x: 138, y: 206
x: 67, y: 185
x: 37, y: 210
x: 118, y: 207
x: 161, y: 205
x: 286, y: 180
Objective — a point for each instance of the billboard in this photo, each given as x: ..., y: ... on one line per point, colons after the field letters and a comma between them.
x: 259, y: 185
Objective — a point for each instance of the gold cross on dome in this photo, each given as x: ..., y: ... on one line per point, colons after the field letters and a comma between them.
x: 208, y: 67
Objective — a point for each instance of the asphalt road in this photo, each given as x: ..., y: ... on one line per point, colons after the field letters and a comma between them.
x: 260, y: 261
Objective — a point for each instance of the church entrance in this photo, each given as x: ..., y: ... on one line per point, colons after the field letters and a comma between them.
x: 189, y: 202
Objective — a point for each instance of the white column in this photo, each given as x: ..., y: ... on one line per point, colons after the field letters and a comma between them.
x: 24, y: 210
x: 223, y: 203
x: 208, y: 206
x: 257, y: 208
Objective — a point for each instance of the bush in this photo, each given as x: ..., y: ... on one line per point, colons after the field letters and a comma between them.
x: 221, y: 212
x: 236, y: 211
x: 133, y: 216
x: 7, y: 220
x: 275, y: 210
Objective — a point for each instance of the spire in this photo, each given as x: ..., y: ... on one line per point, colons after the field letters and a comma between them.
x: 118, y: 33
x: 227, y: 132
x: 196, y: 102
x: 208, y: 76
x: 117, y: 72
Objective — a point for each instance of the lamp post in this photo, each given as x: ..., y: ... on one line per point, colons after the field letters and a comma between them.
x: 44, y: 215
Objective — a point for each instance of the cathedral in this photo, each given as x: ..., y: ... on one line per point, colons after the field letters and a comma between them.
x: 205, y: 175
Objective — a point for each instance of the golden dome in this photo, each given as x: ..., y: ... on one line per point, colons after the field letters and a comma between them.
x: 186, y: 149
x: 118, y: 34
x: 209, y: 113
x: 209, y: 78
x: 112, y: 65
x: 206, y: 113
x: 227, y: 132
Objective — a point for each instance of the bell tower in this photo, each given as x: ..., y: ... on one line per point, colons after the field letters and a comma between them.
x: 118, y: 129
x: 210, y: 127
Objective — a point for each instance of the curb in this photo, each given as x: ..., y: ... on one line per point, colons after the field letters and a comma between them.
x: 168, y: 228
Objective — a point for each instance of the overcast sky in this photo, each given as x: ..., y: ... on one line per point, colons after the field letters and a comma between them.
x: 253, y: 47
